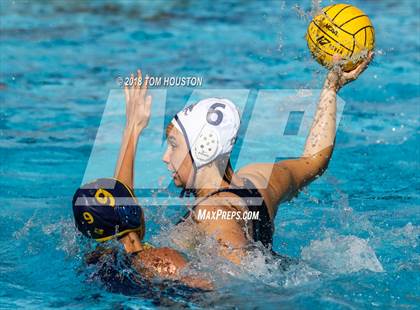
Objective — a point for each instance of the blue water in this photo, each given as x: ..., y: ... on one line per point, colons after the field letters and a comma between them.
x: 356, y: 230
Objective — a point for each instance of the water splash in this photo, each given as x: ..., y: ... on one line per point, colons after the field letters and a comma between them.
x: 338, y: 254
x: 258, y: 266
x: 66, y: 235
x: 407, y: 236
x: 24, y: 231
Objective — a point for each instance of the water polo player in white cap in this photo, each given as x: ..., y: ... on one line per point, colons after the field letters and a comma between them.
x: 200, y: 139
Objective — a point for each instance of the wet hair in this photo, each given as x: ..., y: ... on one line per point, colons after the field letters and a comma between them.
x: 224, y: 166
x: 168, y: 129
x: 222, y: 162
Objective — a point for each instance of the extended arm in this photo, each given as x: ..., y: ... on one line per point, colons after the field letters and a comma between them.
x: 323, y: 129
x: 320, y: 141
x: 137, y: 117
x: 280, y: 181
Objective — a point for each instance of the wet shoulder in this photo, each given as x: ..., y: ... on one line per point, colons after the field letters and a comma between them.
x: 271, y: 180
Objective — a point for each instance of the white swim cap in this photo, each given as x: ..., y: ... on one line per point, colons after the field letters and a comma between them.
x: 210, y: 127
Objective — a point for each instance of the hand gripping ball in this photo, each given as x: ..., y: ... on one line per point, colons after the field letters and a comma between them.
x: 340, y: 29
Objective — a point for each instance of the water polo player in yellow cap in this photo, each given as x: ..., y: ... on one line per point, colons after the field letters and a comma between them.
x: 200, y: 139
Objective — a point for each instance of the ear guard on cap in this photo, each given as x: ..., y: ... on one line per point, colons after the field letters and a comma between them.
x: 105, y: 209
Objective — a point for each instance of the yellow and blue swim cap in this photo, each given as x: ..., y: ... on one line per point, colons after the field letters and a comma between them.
x: 105, y: 209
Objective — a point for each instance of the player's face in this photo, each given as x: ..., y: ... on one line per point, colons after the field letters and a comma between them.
x: 177, y: 158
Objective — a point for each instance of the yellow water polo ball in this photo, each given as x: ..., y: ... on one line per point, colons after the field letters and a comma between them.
x: 340, y: 29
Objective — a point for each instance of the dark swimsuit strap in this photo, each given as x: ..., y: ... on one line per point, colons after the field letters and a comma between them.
x: 262, y: 228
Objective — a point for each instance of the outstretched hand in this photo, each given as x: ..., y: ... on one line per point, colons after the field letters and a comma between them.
x: 138, y: 105
x: 337, y: 78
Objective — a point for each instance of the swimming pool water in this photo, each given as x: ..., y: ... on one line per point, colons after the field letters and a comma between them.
x: 356, y: 229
